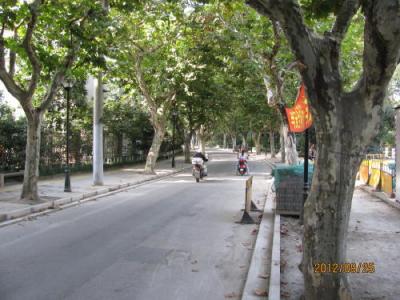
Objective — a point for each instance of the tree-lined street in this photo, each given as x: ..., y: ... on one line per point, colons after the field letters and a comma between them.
x: 89, y: 86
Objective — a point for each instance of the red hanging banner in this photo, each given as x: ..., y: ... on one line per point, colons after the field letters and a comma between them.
x: 299, y: 116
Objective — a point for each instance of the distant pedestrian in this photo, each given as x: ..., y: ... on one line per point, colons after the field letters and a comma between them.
x: 312, y: 152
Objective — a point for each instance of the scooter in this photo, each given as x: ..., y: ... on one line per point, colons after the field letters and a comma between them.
x: 199, y: 169
x: 242, y: 167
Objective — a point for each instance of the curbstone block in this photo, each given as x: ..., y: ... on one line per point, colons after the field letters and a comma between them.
x: 40, y: 207
x: 114, y: 188
x: 90, y: 194
x: 62, y: 201
x: 77, y: 198
x: 3, y: 217
x: 103, y: 191
x: 19, y: 213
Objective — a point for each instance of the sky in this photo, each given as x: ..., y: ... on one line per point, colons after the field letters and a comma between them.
x: 10, y: 100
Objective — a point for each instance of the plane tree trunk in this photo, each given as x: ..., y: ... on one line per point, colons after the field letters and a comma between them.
x: 257, y: 142
x: 188, y: 139
x: 32, y: 159
x: 233, y: 137
x: 152, y: 156
x: 291, y: 155
x: 201, y: 136
x: 158, y: 107
x: 272, y: 143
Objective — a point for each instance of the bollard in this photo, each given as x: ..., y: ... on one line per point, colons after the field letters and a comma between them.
x: 246, y: 218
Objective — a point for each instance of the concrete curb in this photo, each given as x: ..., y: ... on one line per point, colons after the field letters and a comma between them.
x: 258, y: 265
x: 18, y: 215
x: 275, y: 275
x: 380, y: 195
x: 270, y: 163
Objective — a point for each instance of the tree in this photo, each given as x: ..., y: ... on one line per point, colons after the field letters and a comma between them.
x: 44, y: 42
x: 204, y: 92
x: 260, y: 43
x: 147, y: 59
x: 345, y: 121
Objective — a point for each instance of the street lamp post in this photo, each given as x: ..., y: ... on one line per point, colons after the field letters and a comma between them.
x: 174, y: 115
x: 67, y: 184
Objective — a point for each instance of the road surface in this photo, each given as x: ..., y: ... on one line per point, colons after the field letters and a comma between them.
x: 171, y: 239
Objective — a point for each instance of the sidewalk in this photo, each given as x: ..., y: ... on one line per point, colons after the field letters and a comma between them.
x: 380, y: 195
x: 52, y: 193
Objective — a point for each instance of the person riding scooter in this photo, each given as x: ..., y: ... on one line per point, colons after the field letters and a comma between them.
x: 199, y: 159
x: 242, y: 159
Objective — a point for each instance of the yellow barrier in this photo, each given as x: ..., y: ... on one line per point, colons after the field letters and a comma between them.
x: 364, y: 171
x: 377, y: 173
x: 387, y: 175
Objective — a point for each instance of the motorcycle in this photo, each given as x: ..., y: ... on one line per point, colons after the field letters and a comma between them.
x: 242, y: 167
x: 199, y: 169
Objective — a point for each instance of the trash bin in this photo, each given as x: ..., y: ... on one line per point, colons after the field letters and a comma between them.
x: 289, y: 185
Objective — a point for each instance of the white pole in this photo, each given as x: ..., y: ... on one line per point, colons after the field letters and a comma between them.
x: 98, y: 174
x: 397, y: 153
x: 98, y: 158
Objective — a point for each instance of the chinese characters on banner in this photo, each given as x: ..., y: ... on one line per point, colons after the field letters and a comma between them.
x: 299, y: 116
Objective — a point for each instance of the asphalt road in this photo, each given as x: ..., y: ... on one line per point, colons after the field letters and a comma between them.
x: 171, y: 239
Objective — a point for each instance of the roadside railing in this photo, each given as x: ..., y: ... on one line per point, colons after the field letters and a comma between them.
x: 379, y: 173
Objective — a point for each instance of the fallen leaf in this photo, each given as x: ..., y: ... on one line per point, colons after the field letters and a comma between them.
x: 283, y: 263
x: 243, y: 266
x: 254, y: 232
x: 299, y: 247
x: 285, y: 294
x: 263, y: 276
x: 284, y: 231
x: 231, y: 295
x: 261, y: 293
x: 283, y: 283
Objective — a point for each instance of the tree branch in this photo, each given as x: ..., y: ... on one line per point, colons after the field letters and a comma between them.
x: 343, y: 20
x: 13, y: 57
x: 381, y: 47
x: 59, y: 76
x: 288, y: 13
x: 29, y: 48
x: 142, y: 83
x: 5, y: 77
x: 277, y: 43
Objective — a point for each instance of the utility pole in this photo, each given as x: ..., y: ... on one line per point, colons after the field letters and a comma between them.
x: 98, y: 172
x: 98, y: 157
x: 67, y: 184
